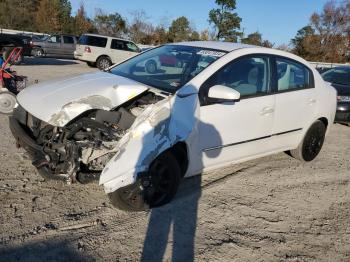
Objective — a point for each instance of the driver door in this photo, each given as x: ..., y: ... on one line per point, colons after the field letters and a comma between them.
x: 242, y: 129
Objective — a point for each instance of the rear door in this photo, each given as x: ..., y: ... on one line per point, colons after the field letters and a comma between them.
x: 53, y: 45
x: 96, y: 44
x: 68, y: 45
x: 295, y: 102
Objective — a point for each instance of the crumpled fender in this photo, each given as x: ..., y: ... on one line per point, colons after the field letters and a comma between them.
x: 158, y: 128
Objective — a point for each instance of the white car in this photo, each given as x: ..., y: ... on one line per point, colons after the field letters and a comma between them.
x: 103, y: 51
x: 140, y: 133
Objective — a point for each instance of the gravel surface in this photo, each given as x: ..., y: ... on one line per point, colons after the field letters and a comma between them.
x: 271, y: 209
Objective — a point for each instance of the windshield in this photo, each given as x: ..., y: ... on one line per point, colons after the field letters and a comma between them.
x: 167, y: 67
x: 337, y: 76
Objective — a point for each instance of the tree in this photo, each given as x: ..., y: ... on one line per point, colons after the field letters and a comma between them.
x: 307, y: 44
x: 18, y: 14
x: 327, y: 37
x: 160, y: 36
x: 195, y: 36
x: 81, y: 23
x: 48, y: 16
x: 54, y: 16
x: 256, y: 39
x: 227, y: 23
x: 140, y: 31
x: 111, y: 24
x: 179, y: 30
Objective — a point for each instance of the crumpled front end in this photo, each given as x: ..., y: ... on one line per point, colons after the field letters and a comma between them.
x: 157, y: 129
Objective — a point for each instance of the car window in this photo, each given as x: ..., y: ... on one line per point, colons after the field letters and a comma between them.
x: 132, y: 47
x: 55, y: 39
x: 167, y: 67
x: 68, y: 40
x: 93, y: 41
x: 118, y: 45
x: 247, y: 75
x: 337, y: 76
x: 291, y: 75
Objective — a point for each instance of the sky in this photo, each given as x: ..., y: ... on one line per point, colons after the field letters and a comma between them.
x: 277, y: 20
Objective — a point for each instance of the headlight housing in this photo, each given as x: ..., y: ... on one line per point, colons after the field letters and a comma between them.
x: 343, y: 99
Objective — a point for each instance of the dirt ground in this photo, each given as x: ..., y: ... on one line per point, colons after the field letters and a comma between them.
x: 270, y: 209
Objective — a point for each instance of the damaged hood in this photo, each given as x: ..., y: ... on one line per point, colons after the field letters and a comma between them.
x: 58, y: 102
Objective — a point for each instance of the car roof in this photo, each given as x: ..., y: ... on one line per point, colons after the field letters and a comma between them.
x: 224, y: 46
x: 347, y: 68
x: 107, y: 36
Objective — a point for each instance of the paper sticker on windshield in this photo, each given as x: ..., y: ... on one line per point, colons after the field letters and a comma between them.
x: 210, y: 53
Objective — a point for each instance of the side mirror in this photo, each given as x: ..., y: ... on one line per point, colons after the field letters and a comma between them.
x: 222, y: 94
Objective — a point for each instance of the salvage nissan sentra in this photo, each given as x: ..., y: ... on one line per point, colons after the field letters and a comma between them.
x: 141, y: 126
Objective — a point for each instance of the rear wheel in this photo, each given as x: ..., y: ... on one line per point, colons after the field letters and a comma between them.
x: 312, y: 143
x: 103, y: 62
x: 154, y: 189
x: 7, y: 102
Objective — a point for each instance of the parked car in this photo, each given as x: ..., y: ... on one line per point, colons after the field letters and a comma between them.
x: 340, y: 79
x: 10, y: 41
x: 140, y: 133
x: 103, y: 51
x: 55, y: 45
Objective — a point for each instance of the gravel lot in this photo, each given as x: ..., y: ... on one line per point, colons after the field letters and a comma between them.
x: 270, y: 209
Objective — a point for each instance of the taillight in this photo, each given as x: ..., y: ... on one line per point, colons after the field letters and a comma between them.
x: 87, y: 49
x: 31, y: 43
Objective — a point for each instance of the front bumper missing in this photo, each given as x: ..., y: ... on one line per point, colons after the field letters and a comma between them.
x: 34, y: 150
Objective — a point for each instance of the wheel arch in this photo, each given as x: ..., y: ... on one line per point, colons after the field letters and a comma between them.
x: 106, y: 56
x: 180, y: 152
x: 324, y: 120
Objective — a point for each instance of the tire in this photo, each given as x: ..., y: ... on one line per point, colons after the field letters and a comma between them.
x: 7, y: 102
x: 91, y: 64
x: 161, y: 184
x: 312, y: 143
x: 38, y: 52
x: 151, y: 67
x: 103, y: 62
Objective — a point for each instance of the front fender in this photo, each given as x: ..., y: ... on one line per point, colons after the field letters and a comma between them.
x: 161, y: 126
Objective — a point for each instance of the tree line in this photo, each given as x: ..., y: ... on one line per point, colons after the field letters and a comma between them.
x: 326, y: 38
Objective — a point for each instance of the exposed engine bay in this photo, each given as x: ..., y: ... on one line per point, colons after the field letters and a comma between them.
x: 80, y: 150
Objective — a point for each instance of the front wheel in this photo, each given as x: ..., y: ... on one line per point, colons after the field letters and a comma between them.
x: 312, y: 143
x: 38, y: 52
x: 155, y: 188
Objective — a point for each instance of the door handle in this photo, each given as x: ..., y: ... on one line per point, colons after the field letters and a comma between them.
x: 312, y: 101
x: 267, y: 110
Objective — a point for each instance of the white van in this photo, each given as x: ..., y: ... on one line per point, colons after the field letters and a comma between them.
x: 104, y: 51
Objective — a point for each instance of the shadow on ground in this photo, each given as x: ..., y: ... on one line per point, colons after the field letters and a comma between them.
x: 179, y: 218
x: 30, y: 61
x: 49, y: 250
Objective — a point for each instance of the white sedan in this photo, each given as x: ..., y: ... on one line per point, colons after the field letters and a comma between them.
x: 141, y: 132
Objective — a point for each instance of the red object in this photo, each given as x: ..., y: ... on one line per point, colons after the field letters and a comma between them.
x: 7, y: 73
x: 167, y: 60
x: 87, y: 49
x: 14, y: 55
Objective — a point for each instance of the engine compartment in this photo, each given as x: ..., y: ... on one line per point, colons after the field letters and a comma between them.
x: 86, y: 143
